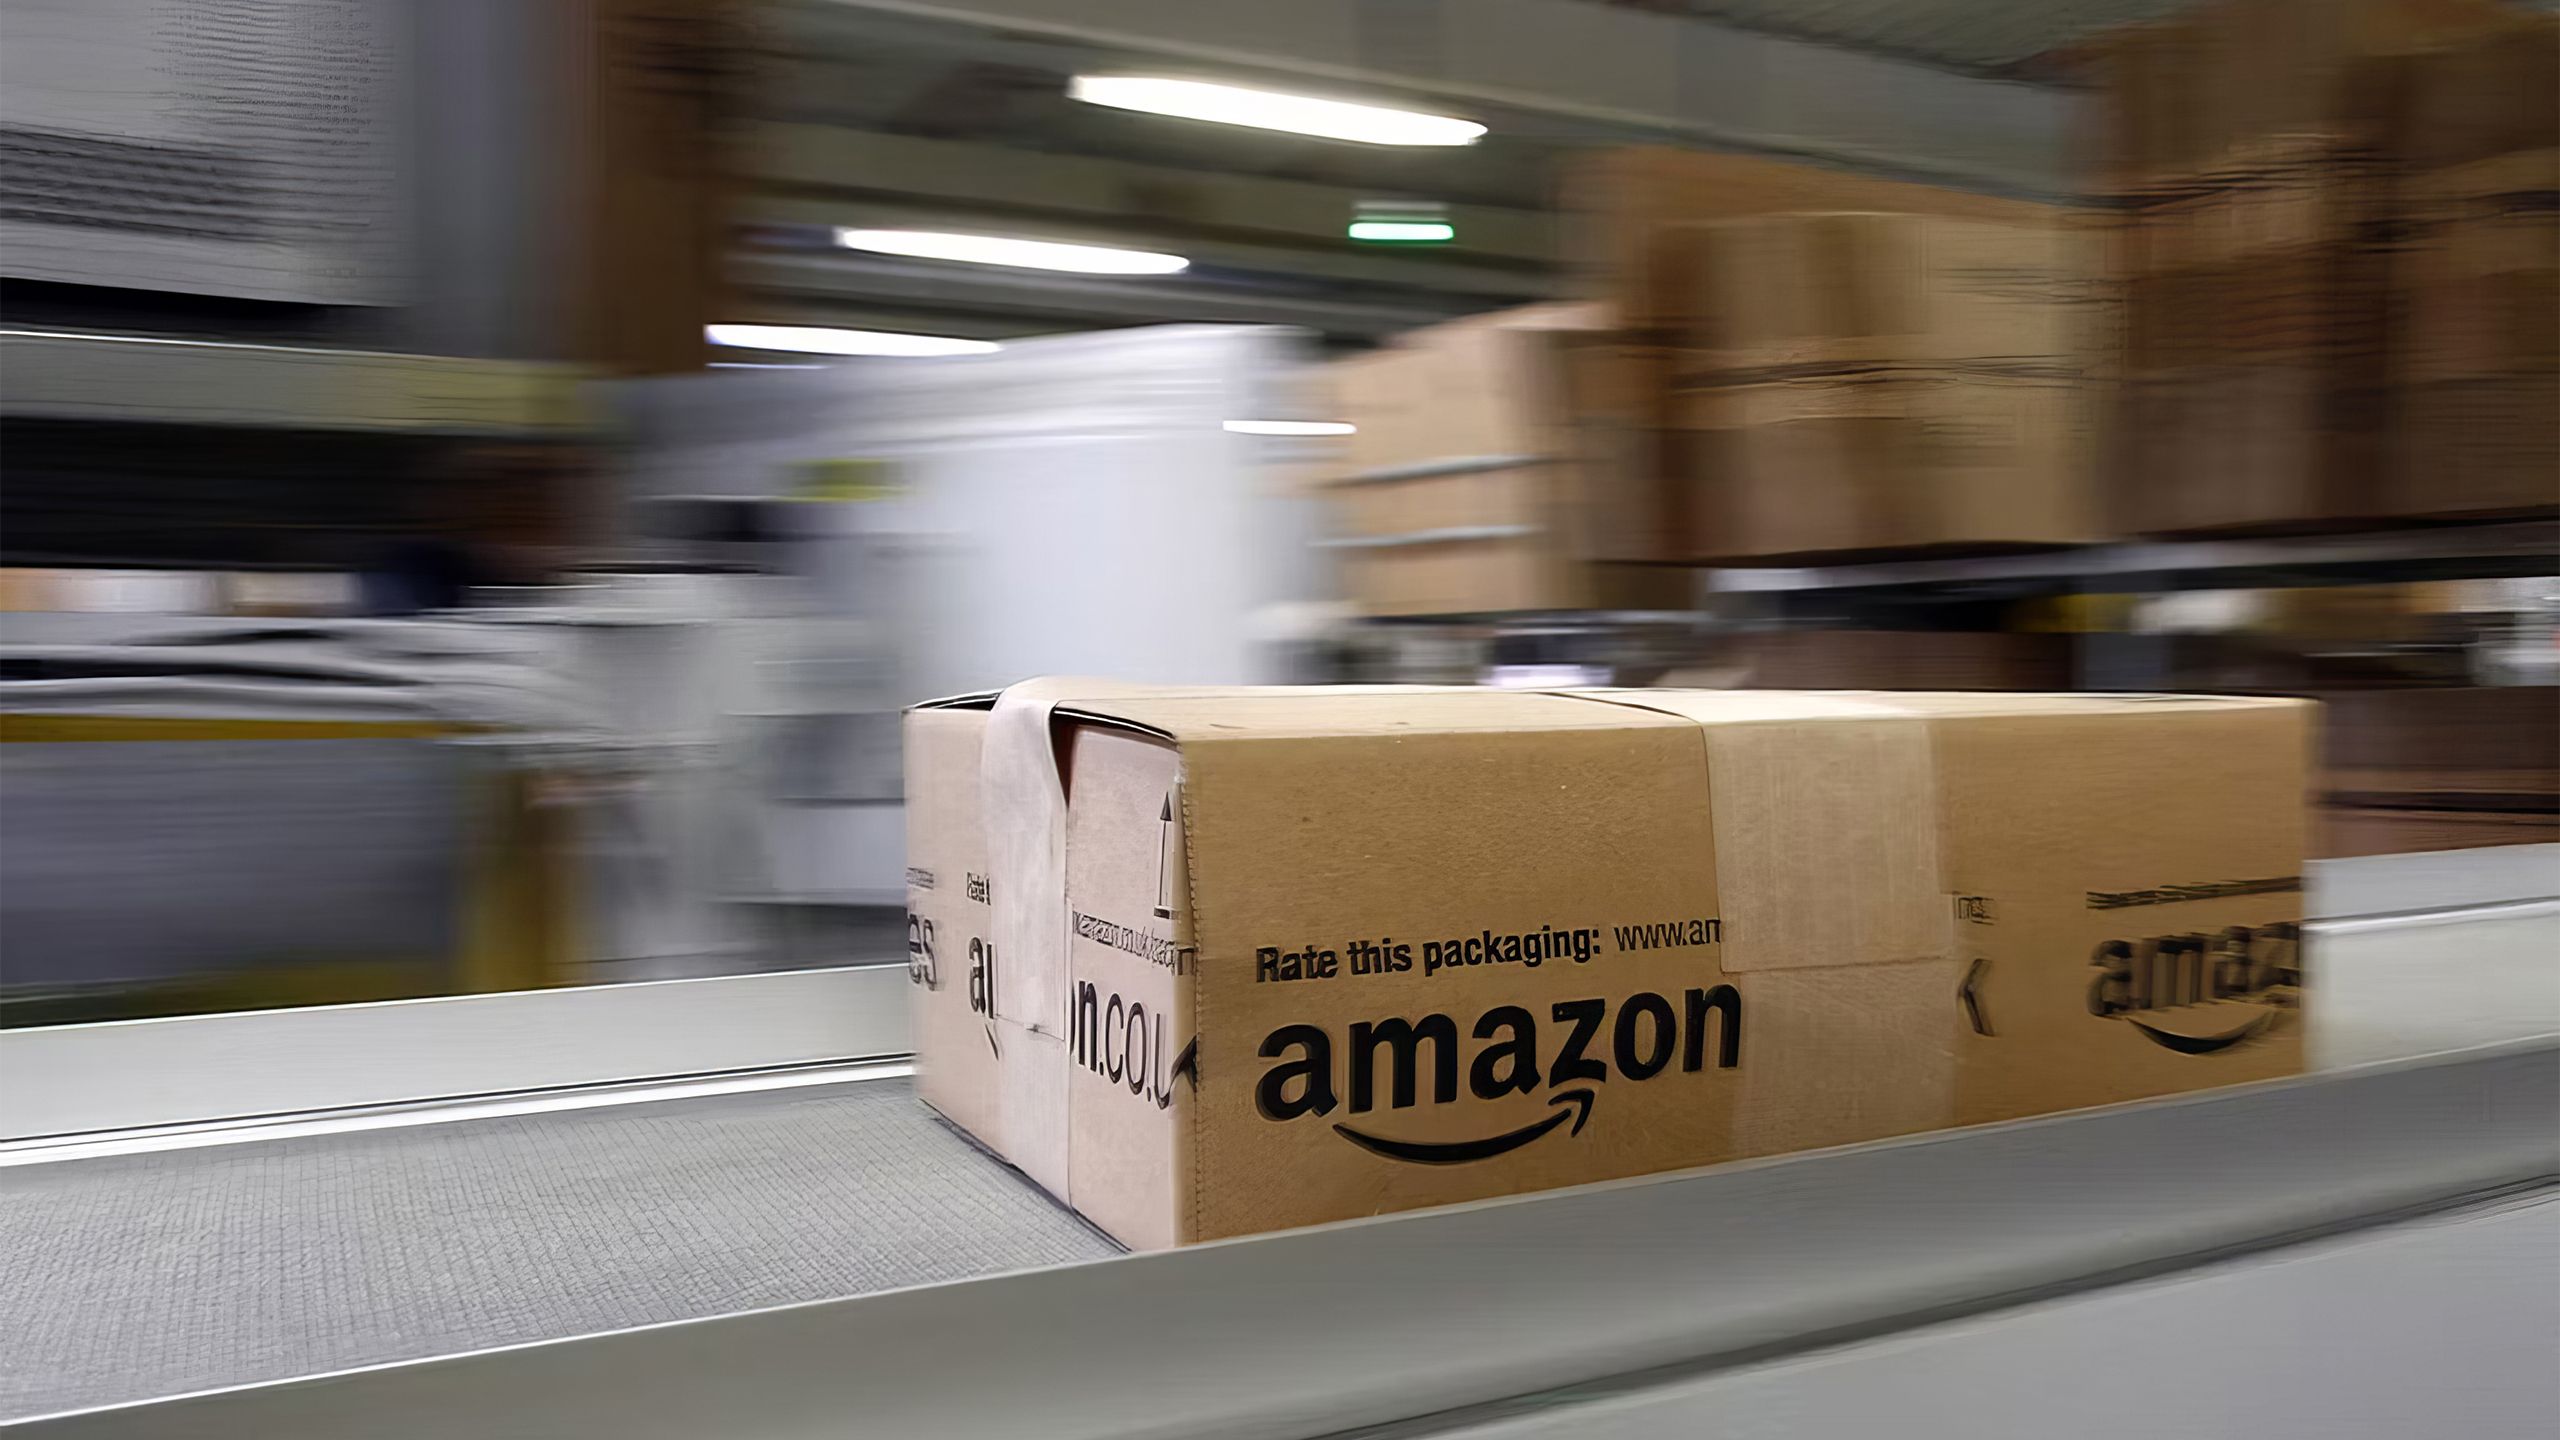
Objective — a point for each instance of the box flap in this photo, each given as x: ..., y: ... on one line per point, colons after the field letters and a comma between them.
x: 973, y: 700
x: 1353, y: 710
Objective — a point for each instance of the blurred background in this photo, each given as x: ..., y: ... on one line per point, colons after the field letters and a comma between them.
x: 479, y: 479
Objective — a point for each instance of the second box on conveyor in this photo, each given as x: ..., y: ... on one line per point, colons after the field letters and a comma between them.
x: 1272, y: 958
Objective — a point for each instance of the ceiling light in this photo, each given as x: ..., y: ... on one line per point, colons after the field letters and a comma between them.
x: 1271, y: 110
x: 1291, y: 427
x: 1025, y: 254
x: 828, y: 340
x: 1404, y: 232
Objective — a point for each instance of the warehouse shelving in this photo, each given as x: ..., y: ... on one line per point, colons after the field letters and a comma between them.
x: 145, y: 379
x: 2449, y: 551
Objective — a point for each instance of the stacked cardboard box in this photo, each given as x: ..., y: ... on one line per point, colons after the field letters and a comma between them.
x: 1990, y: 450
x: 2477, y: 277
x: 2439, y: 768
x: 1482, y: 472
x: 1861, y: 382
x: 1276, y: 958
x: 2250, y: 149
x: 1629, y: 210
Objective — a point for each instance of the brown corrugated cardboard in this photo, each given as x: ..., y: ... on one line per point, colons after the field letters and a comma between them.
x: 2198, y: 93
x: 2254, y: 146
x: 1878, y: 459
x: 1617, y: 397
x: 1480, y: 576
x: 1859, y: 288
x: 1332, y: 954
x: 1860, y: 382
x: 2476, y: 276
x: 1487, y: 468
x: 950, y: 929
x: 1621, y: 203
x: 1472, y: 389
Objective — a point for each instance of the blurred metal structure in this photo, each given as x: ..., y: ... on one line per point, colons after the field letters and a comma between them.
x: 2523, y: 547
x: 247, y: 151
x: 144, y: 379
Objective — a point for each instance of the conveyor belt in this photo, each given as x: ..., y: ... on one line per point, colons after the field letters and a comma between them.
x: 160, y: 1274
x: 148, y: 1275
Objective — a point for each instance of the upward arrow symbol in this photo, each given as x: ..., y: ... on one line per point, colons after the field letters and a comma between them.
x: 1164, y: 853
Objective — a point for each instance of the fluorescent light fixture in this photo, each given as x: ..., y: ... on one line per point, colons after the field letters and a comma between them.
x: 828, y: 340
x: 1022, y: 254
x: 1404, y: 232
x: 1290, y: 427
x: 1272, y: 110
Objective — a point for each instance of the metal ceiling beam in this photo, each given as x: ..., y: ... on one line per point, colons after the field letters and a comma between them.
x: 1658, y: 76
x: 787, y: 286
x: 1120, y: 192
x: 825, y: 175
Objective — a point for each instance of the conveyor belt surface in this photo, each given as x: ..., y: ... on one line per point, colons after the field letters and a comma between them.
x: 137, y: 1276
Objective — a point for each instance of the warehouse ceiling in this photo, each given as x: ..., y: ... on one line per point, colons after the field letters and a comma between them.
x: 1984, y: 35
x: 865, y: 117
x: 952, y: 114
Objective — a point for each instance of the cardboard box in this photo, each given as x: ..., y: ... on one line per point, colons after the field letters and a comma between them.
x: 1856, y: 461
x: 1488, y: 466
x: 2254, y: 148
x: 1624, y: 205
x: 2255, y: 334
x: 2476, y: 278
x: 1316, y: 955
x: 950, y: 925
x: 1472, y: 389
x: 1859, y: 288
x: 1862, y: 382
x: 2199, y: 92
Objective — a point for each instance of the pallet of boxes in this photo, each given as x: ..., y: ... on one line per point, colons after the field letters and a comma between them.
x: 1205, y: 963
x: 2475, y: 275
x: 1479, y: 478
x: 1849, y: 366
x: 2336, y: 253
x: 2438, y: 768
x: 1861, y: 383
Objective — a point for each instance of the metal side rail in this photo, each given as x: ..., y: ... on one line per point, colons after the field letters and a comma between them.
x: 2438, y: 1325
x: 1395, y: 1321
x: 224, y: 1201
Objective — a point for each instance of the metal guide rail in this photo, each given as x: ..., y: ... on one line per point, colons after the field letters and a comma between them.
x: 1424, y: 1321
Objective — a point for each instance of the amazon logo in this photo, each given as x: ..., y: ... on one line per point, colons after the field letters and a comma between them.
x: 1576, y: 1047
x: 2199, y: 994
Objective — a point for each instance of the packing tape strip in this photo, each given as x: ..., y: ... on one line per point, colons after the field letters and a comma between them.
x: 1826, y: 836
x: 1828, y: 881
